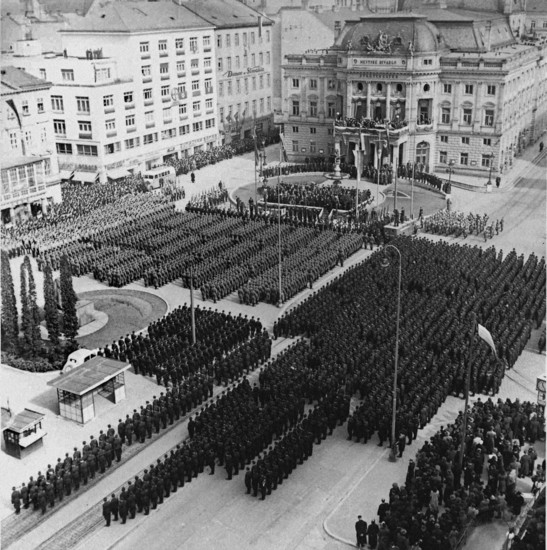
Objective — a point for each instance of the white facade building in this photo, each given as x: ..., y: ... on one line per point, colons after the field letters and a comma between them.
x: 134, y: 85
x: 30, y: 172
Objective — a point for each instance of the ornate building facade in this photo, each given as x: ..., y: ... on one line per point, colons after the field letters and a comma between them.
x: 449, y: 87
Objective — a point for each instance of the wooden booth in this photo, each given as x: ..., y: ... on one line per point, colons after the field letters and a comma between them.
x: 24, y: 434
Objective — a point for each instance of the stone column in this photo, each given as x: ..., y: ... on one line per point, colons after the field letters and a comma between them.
x: 388, y: 100
x: 369, y: 89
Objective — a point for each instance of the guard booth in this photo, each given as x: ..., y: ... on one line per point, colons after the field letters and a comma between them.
x: 24, y: 434
x: 77, y: 389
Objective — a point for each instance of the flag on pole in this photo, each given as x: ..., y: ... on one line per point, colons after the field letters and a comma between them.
x: 284, y: 157
x: 487, y: 337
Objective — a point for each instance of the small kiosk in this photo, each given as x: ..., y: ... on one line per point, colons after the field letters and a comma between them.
x: 77, y: 388
x: 24, y: 434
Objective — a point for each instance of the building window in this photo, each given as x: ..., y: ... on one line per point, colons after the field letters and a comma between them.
x: 313, y: 130
x: 428, y: 61
x: 486, y: 160
x: 164, y: 68
x: 228, y: 63
x: 179, y: 43
x: 295, y: 129
x: 468, y: 90
x: 261, y: 105
x: 209, y: 103
x: 108, y: 100
x: 146, y: 70
x: 447, y: 88
x: 261, y: 59
x: 128, y: 97
x: 110, y: 124
x: 220, y: 89
x: 182, y: 109
x: 67, y: 75
x: 487, y: 142
x: 197, y: 126
x: 228, y: 41
x: 84, y: 127
x: 261, y: 82
x: 181, y: 67
x: 64, y: 148
x: 132, y: 143
x: 267, y: 58
x: 194, y: 45
x: 445, y: 115
x: 40, y: 105
x: 444, y: 139
x: 229, y: 89
x: 149, y: 117
x: 443, y: 157
x: 162, y: 45
x: 331, y: 110
x: 196, y: 106
x: 236, y: 39
x: 313, y: 108
x: 253, y: 60
x: 59, y: 127
x: 330, y: 131
x: 489, y: 117
x: 491, y: 89
x: 465, y: 141
x: 194, y: 64
x: 467, y: 116
x: 14, y: 142
x: 295, y: 83
x: 167, y: 117
x: 337, y: 25
x: 313, y: 147
x: 147, y: 93
x: 87, y: 150
x: 144, y: 47
x: 464, y: 159
x: 111, y: 148
x: 219, y: 64
x: 57, y: 103
x: 267, y: 36
x: 295, y: 107
x: 82, y: 104
x: 130, y: 120
x: 295, y: 146
x: 24, y: 107
x: 149, y: 138
x: 219, y: 41
x: 165, y: 91
x: 254, y: 82
x: 102, y: 74
x: 207, y: 62
x: 210, y: 123
x: 252, y: 38
x: 43, y: 74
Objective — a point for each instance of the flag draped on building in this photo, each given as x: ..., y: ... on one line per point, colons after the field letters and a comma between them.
x: 487, y: 337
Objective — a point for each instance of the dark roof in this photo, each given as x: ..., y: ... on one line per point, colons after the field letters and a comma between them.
x: 399, y: 30
x: 17, y: 80
x: 137, y: 16
x: 23, y: 420
x: 226, y: 14
x: 89, y: 375
x: 329, y: 17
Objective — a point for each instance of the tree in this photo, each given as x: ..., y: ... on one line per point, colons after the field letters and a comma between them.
x: 50, y: 307
x: 68, y: 300
x: 26, y: 321
x: 33, y: 306
x: 10, y: 325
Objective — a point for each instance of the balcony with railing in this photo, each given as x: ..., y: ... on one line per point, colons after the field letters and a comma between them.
x: 85, y: 135
x: 166, y: 99
x: 181, y: 74
x: 131, y: 129
x: 148, y: 102
x: 111, y: 133
x: 129, y: 106
x: 146, y: 79
x: 164, y: 53
x: 109, y: 109
x: 165, y: 76
x: 83, y: 113
x: 149, y: 125
x: 180, y: 52
x: 145, y: 55
x: 168, y: 120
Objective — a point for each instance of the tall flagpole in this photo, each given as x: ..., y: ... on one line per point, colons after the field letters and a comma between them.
x: 467, y: 379
x: 279, y: 221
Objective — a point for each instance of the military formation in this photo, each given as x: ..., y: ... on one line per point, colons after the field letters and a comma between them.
x: 447, y: 222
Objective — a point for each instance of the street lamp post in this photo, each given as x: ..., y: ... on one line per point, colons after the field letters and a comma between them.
x: 279, y: 225
x: 450, y: 170
x: 490, y: 172
x: 385, y: 263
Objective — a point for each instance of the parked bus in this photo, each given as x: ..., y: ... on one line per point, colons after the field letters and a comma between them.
x: 162, y: 176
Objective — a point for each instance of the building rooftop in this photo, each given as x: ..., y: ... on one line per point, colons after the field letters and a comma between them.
x: 17, y: 80
x: 137, y: 16
x: 226, y: 14
x: 89, y: 375
x: 24, y: 420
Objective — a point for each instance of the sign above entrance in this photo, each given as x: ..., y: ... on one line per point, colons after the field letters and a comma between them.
x: 379, y: 62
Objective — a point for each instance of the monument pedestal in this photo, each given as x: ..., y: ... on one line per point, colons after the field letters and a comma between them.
x: 85, y: 312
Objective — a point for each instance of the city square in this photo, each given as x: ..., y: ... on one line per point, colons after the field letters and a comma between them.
x: 244, y: 342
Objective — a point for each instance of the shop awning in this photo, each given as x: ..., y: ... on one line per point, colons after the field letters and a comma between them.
x: 117, y: 173
x: 65, y: 174
x: 85, y: 177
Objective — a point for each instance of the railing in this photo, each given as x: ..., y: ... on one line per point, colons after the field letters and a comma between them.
x: 148, y: 102
x: 111, y: 133
x: 146, y: 79
x: 180, y: 52
x: 129, y: 106
x: 163, y: 53
x: 85, y: 135
x: 108, y: 110
x: 165, y: 76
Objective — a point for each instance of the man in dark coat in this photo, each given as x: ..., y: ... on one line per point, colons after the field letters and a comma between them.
x: 106, y: 511
x: 372, y: 533
x: 361, y: 532
x: 114, y: 506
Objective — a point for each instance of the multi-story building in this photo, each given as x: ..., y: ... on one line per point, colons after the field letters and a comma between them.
x: 30, y: 173
x: 243, y: 40
x: 536, y: 18
x: 455, y: 85
x: 133, y: 85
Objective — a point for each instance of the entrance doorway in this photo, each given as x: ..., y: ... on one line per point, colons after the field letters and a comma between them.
x: 422, y: 155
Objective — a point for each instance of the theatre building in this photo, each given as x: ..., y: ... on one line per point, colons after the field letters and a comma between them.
x: 30, y: 173
x: 449, y: 85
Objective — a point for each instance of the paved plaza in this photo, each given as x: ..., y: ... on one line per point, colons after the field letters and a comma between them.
x: 317, y: 507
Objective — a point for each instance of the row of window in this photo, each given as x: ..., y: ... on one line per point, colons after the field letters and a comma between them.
x: 312, y: 147
x: 467, y: 116
x: 237, y: 109
x: 193, y: 44
x: 313, y: 108
x: 331, y: 83
x: 239, y: 89
x: 486, y: 159
x: 25, y: 108
x: 466, y: 140
x: 237, y: 61
x: 246, y: 37
x: 146, y: 70
x: 28, y: 136
x: 468, y: 89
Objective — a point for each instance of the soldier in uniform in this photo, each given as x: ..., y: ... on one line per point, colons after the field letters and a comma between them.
x: 106, y: 511
x: 16, y: 500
